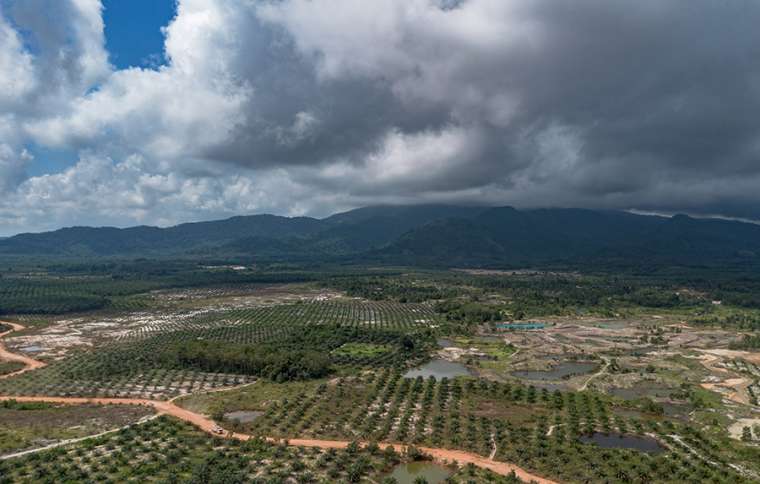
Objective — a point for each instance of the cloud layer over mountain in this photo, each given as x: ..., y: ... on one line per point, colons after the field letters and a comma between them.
x: 311, y: 106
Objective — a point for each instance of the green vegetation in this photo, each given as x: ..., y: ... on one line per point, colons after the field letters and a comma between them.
x: 537, y: 429
x: 77, y: 288
x: 281, y: 342
x: 267, y: 361
x: 748, y: 342
x: 428, y: 235
x: 381, y: 288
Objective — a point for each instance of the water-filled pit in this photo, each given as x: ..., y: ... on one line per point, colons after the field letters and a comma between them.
x: 430, y: 471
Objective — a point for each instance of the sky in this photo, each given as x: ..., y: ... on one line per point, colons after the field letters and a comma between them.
x: 159, y: 112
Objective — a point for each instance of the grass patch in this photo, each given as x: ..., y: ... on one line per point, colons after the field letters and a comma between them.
x: 252, y: 397
x: 703, y: 398
x: 498, y: 352
x: 362, y: 350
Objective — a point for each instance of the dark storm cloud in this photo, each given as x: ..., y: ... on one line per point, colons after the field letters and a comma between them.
x: 645, y: 91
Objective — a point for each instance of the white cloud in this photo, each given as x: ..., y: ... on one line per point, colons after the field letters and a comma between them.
x: 17, y: 76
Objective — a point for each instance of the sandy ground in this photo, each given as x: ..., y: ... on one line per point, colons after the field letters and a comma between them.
x: 207, y: 425
x: 735, y: 430
x: 750, y: 356
x: 733, y: 387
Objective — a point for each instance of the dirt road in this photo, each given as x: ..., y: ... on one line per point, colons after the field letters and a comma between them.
x: 734, y: 388
x: 597, y: 374
x: 206, y: 424
x: 751, y: 356
x: 31, y: 363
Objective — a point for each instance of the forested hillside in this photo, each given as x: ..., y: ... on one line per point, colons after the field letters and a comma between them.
x: 434, y: 235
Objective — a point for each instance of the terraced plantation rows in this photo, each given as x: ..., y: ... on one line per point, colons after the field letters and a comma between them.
x: 85, y: 288
x: 152, y: 362
x: 278, y: 319
x: 60, y: 295
x: 540, y: 430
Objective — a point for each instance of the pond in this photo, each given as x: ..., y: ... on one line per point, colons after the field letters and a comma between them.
x: 566, y: 369
x: 243, y: 416
x: 407, y: 473
x: 621, y: 441
x: 614, y: 325
x: 445, y: 343
x: 32, y: 349
x: 521, y: 326
x: 439, y: 369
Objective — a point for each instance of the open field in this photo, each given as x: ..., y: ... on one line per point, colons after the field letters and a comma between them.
x: 27, y: 426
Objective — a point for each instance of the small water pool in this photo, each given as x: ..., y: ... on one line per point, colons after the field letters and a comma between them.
x: 430, y: 471
x: 521, y: 326
x: 32, y: 349
x: 439, y: 369
x: 445, y: 343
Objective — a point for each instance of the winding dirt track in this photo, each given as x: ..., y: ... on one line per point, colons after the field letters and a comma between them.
x: 31, y: 363
x: 206, y: 424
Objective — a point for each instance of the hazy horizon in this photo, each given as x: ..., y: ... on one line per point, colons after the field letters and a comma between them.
x: 322, y: 217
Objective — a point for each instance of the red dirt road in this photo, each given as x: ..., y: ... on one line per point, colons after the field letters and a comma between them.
x: 206, y: 424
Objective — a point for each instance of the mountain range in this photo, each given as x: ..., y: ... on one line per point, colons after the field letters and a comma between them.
x: 435, y: 235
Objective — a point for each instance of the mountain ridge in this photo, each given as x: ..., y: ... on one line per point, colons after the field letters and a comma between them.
x: 419, y: 234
